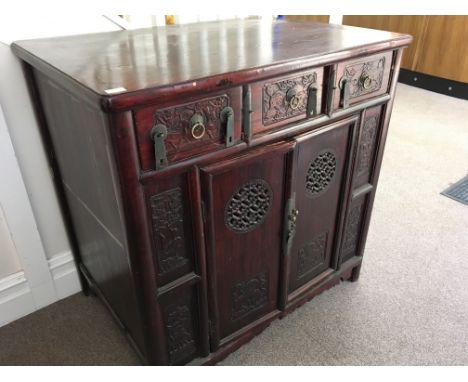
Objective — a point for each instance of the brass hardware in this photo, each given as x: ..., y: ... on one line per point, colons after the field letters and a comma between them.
x: 331, y: 92
x: 290, y: 218
x: 293, y: 99
x: 158, y: 135
x: 227, y: 117
x: 344, y: 93
x: 246, y: 111
x: 366, y: 82
x: 312, y: 102
x: 198, y: 126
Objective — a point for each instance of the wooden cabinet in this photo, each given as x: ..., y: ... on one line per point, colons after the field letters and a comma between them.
x: 215, y: 176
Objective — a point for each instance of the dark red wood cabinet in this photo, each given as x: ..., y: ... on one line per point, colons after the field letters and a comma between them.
x: 214, y: 176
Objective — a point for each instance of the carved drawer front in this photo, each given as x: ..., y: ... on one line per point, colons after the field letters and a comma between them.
x: 361, y: 79
x: 244, y: 205
x: 283, y: 100
x: 367, y: 146
x: 352, y: 236
x: 182, y: 327
x: 170, y: 227
x: 318, y: 173
x: 171, y: 133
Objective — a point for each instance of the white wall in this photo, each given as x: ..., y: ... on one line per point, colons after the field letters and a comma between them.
x: 36, y: 264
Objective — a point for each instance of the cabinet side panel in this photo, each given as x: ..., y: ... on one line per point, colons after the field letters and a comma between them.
x: 88, y: 179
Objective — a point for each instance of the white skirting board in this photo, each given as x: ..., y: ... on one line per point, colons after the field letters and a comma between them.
x: 16, y: 298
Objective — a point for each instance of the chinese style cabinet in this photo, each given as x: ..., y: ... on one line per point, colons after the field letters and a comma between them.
x: 213, y: 177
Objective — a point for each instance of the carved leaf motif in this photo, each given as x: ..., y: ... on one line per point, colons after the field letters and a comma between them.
x: 312, y: 255
x: 275, y: 105
x: 248, y: 296
x: 180, y: 332
x: 369, y: 132
x: 352, y: 229
x: 168, y: 228
x: 177, y: 121
x: 354, y: 74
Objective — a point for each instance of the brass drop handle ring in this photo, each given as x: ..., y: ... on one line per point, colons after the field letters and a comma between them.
x: 366, y: 82
x: 197, y: 126
x: 293, y: 99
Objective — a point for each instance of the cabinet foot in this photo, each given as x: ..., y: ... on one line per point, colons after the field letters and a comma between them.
x: 355, y: 273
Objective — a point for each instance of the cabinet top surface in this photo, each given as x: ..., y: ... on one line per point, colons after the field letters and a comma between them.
x: 163, y: 56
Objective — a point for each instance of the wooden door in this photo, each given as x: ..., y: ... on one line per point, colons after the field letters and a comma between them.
x: 244, y: 204
x: 321, y: 162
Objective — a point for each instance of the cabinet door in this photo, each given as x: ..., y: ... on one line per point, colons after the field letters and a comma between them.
x: 244, y: 205
x: 318, y: 189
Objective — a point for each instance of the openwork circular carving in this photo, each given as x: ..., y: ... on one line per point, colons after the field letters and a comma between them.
x: 248, y: 206
x: 320, y: 173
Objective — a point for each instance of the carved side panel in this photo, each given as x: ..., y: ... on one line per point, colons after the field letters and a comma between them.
x: 248, y: 296
x: 177, y: 121
x: 275, y: 104
x: 364, y: 77
x: 366, y: 149
x: 353, y: 228
x: 168, y: 230
x: 312, y: 255
x: 180, y: 332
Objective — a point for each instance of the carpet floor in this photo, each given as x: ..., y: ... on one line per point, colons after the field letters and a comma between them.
x: 409, y: 307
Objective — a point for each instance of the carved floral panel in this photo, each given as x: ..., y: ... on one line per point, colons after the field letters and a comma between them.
x: 312, y: 255
x: 180, y: 332
x: 275, y: 103
x: 168, y: 230
x: 369, y: 133
x: 364, y: 77
x: 248, y: 296
x: 352, y: 231
x: 177, y: 120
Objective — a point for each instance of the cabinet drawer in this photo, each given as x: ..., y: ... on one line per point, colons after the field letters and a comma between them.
x: 286, y: 99
x: 187, y: 129
x: 365, y: 78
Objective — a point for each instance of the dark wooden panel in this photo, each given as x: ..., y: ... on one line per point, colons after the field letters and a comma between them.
x: 308, y: 18
x: 367, y: 147
x: 180, y: 312
x: 168, y: 206
x: 180, y: 144
x: 354, y: 228
x: 244, y: 205
x: 83, y: 151
x: 319, y: 169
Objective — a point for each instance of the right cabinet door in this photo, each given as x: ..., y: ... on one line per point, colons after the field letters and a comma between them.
x: 318, y: 193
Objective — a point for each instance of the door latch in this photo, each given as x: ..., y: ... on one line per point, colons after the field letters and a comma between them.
x: 312, y: 102
x: 158, y: 135
x: 227, y: 118
x: 290, y: 219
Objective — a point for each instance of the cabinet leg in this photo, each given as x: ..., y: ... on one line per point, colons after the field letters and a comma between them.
x: 355, y: 273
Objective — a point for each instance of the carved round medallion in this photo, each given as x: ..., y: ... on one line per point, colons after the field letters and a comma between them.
x: 248, y: 206
x: 320, y: 173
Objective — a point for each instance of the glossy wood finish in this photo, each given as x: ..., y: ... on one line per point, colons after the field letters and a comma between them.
x: 148, y: 63
x: 437, y: 40
x: 196, y: 258
x: 244, y: 251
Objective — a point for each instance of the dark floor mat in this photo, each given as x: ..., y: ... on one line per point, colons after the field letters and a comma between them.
x: 458, y: 191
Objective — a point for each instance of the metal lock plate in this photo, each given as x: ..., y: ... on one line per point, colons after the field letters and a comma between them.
x: 158, y: 135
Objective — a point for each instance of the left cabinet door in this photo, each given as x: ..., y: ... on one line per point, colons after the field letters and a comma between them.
x: 244, y: 204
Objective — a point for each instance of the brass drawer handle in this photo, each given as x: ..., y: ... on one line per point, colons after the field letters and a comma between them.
x: 366, y: 82
x: 293, y: 99
x: 198, y: 126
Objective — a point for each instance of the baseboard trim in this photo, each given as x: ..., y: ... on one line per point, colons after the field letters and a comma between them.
x: 16, y: 299
x: 436, y: 84
x: 65, y: 275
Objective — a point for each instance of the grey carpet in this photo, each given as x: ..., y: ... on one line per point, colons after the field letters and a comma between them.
x: 410, y: 306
